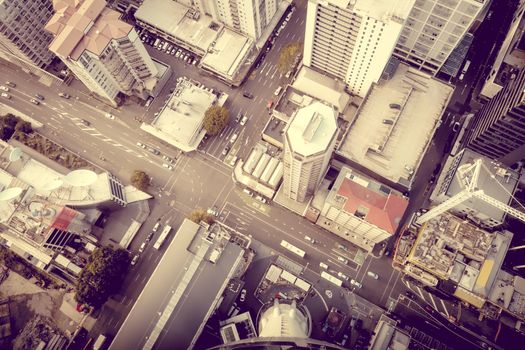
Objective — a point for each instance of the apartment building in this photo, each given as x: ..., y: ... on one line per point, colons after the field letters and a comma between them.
x: 433, y: 29
x: 23, y: 39
x: 308, y: 145
x: 104, y: 52
x: 352, y: 40
x: 498, y: 129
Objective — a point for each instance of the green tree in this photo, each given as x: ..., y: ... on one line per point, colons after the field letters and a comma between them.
x: 288, y: 55
x: 140, y: 180
x: 102, y: 276
x: 215, y: 119
x: 199, y: 215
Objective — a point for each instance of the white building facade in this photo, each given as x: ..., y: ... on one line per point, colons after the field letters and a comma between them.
x: 22, y: 34
x: 105, y: 53
x: 352, y: 40
x: 249, y: 17
x: 433, y: 29
x: 308, y: 145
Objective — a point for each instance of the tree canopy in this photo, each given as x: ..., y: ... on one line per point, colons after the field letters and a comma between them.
x: 288, y: 55
x: 140, y: 180
x: 11, y: 124
x: 215, y: 119
x: 102, y: 276
x: 199, y: 215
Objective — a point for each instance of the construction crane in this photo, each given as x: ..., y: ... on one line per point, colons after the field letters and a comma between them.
x: 468, y: 175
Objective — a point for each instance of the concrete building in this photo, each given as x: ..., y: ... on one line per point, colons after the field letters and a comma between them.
x: 353, y: 40
x: 395, y: 125
x: 282, y: 319
x: 308, y: 145
x: 498, y: 182
x: 433, y: 29
x: 180, y: 121
x: 510, y: 58
x: 361, y: 210
x: 387, y: 335
x: 102, y: 51
x: 250, y: 17
x: 175, y: 304
x: 22, y: 35
x: 498, y: 128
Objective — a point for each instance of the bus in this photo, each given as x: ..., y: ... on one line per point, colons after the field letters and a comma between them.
x: 331, y: 278
x: 293, y: 249
x: 130, y: 234
x: 165, y: 232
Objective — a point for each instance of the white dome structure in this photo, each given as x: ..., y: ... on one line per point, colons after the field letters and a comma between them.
x: 283, y: 320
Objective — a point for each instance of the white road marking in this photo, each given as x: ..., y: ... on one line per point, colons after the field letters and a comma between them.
x: 433, y: 302
x: 444, y: 307
x: 420, y: 293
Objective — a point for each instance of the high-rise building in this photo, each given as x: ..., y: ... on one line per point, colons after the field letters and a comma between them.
x: 352, y: 40
x: 248, y: 17
x: 22, y: 34
x: 433, y: 29
x: 498, y: 129
x: 104, y: 52
x: 308, y: 145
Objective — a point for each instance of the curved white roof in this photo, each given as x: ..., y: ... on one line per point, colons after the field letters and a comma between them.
x: 283, y: 320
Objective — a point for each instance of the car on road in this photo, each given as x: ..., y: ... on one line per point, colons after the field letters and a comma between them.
x: 233, y: 160
x: 343, y: 276
x: 289, y: 15
x: 288, y: 74
x: 167, y: 166
x: 142, y: 247
x: 40, y: 97
x: 455, y: 127
x: 342, y: 247
x: 154, y: 151
x: 410, y: 295
x: 213, y: 211
x: 109, y: 116
x: 353, y: 320
x: 4, y: 88
x: 247, y: 94
x: 355, y: 283
x: 10, y: 83
x: 270, y: 104
x: 372, y: 274
x: 149, y: 237
x: 85, y: 122
x: 3, y: 94
x: 244, y: 120
x: 64, y: 95
x: 278, y: 91
x: 309, y: 239
x: 343, y: 260
x: 156, y: 227
x: 225, y: 150
x: 140, y: 144
x: 166, y: 158
x: 323, y: 265
x: 243, y: 295
x: 135, y: 260
x: 234, y: 138
x: 33, y: 101
x: 238, y: 118
x: 248, y: 192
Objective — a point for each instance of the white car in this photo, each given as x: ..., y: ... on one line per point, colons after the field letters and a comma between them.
x: 278, y: 91
x: 233, y: 138
x: 140, y: 144
x: 372, y: 274
x: 309, y: 239
x: 4, y: 88
x: 167, y: 166
x: 244, y: 120
x: 323, y: 265
x: 3, y: 94
x: 135, y: 260
x: 156, y: 227
x: 343, y: 276
x: 343, y: 260
x: 243, y: 295
x: 356, y: 284
x: 109, y: 116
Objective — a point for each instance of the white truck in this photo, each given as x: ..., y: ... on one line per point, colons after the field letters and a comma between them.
x: 101, y: 340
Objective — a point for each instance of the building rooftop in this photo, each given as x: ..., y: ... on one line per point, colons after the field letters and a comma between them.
x: 383, y: 137
x: 179, y: 21
x: 312, y: 129
x: 380, y: 8
x: 227, y: 53
x: 80, y: 25
x: 453, y: 249
x: 165, y: 313
x: 180, y: 120
x: 372, y: 201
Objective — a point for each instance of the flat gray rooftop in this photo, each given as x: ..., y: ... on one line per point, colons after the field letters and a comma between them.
x: 189, y: 308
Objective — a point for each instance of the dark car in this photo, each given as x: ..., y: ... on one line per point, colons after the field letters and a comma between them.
x: 225, y: 150
x: 86, y: 122
x: 247, y: 94
x: 40, y: 97
x: 10, y: 83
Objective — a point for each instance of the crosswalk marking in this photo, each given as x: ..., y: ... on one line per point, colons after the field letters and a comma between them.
x: 444, y: 307
x: 420, y: 293
x: 433, y: 302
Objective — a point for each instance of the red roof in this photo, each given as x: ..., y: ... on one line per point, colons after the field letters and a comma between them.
x: 384, y: 210
x: 64, y: 218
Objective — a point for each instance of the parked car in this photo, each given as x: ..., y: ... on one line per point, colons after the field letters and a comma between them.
x: 323, y: 265
x: 225, y: 150
x: 140, y: 144
x: 356, y: 284
x: 372, y: 274
x: 238, y: 118
x: 3, y: 94
x: 4, y: 88
x: 150, y: 236
x: 244, y: 120
x: 343, y: 260
x: 86, y: 122
x: 154, y: 151
x: 40, y: 97
x: 353, y: 320
x: 243, y: 295
x: 234, y: 138
x: 247, y: 94
x: 109, y: 116
x: 343, y: 276
x: 135, y: 260
x: 10, y: 83
x: 455, y: 127
x: 167, y: 166
x: 33, y: 101
x: 64, y: 95
x: 233, y: 160
x: 142, y: 247
x: 278, y: 91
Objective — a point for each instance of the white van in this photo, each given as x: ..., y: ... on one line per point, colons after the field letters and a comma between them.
x: 323, y: 265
